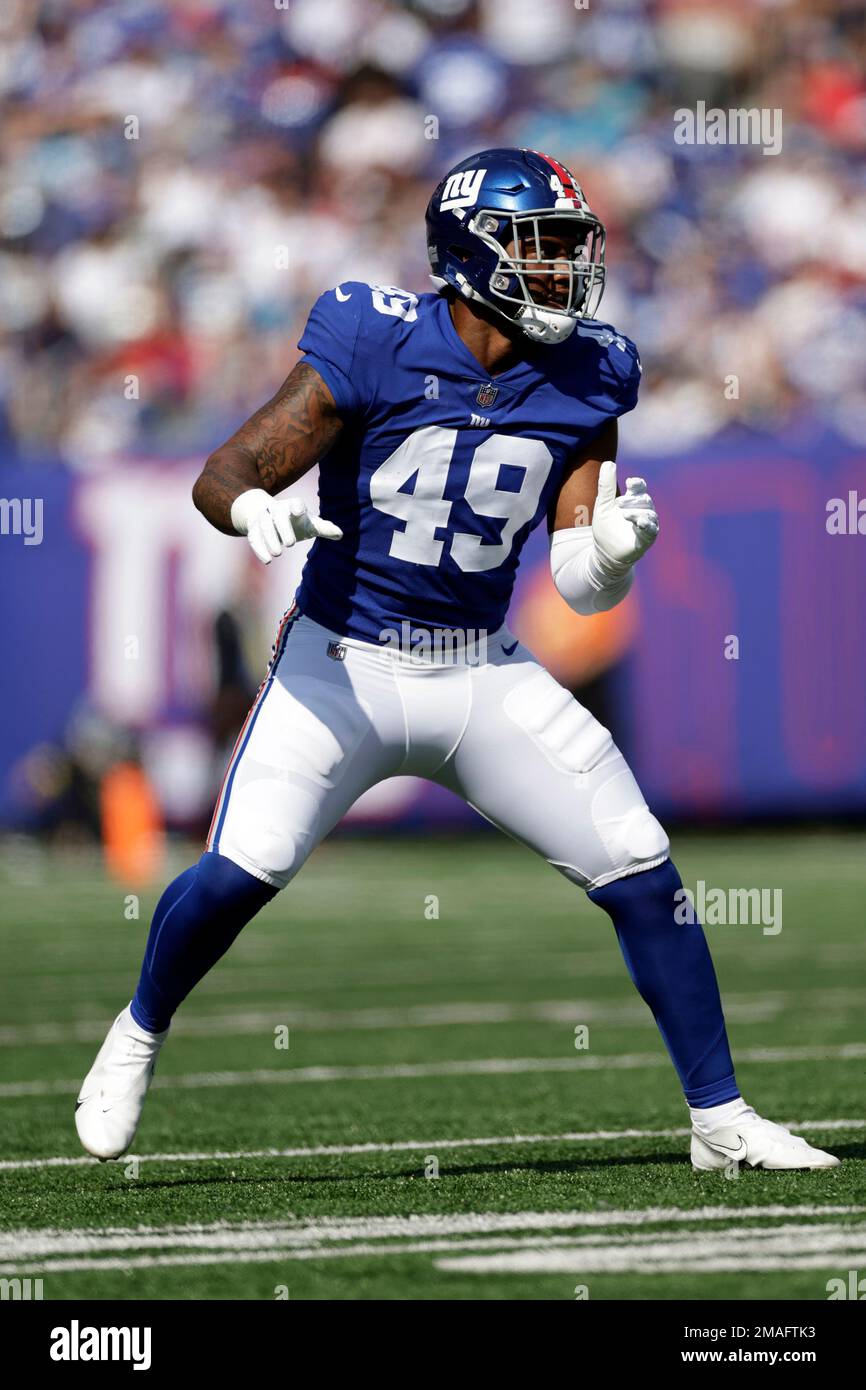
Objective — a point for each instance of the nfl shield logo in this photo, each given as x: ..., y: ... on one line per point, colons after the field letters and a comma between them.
x: 487, y: 394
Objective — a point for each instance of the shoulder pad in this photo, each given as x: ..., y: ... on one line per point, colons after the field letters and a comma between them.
x: 617, y: 362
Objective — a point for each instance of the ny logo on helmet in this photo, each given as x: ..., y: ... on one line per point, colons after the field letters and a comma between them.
x: 461, y: 189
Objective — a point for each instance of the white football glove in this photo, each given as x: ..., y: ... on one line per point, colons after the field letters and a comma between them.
x: 623, y: 528
x: 272, y: 524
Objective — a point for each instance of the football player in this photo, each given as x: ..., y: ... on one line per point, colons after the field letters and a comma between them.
x: 446, y: 427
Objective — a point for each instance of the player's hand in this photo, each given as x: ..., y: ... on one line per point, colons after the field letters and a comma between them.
x: 623, y: 528
x: 272, y: 524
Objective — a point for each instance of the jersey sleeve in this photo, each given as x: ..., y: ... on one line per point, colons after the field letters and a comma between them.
x: 620, y: 371
x: 330, y: 345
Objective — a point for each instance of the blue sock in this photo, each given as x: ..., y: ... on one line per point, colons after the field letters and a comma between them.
x: 672, y: 970
x: 196, y: 920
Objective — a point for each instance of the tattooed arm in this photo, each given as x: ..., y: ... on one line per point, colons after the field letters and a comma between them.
x: 276, y: 447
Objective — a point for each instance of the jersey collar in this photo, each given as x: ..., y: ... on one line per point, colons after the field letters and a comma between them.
x: 512, y: 374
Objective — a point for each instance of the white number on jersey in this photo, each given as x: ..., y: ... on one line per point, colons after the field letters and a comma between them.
x: 400, y: 304
x: 426, y: 455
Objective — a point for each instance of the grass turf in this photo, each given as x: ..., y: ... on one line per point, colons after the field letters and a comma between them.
x: 352, y: 963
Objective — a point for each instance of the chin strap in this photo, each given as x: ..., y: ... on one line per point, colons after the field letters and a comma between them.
x: 545, y: 325
x: 540, y: 325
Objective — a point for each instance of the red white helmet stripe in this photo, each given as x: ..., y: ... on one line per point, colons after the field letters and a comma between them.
x: 570, y: 189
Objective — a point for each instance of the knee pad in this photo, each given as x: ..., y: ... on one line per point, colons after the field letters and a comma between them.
x: 272, y: 827
x: 631, y: 838
x: 626, y: 825
x: 630, y: 833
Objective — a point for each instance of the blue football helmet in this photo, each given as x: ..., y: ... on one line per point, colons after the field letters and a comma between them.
x: 512, y: 229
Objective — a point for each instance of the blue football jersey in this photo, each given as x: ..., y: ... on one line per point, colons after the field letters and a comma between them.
x: 441, y: 471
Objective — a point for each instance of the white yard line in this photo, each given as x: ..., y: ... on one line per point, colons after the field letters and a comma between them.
x: 264, y: 1018
x: 486, y: 1066
x: 789, y: 1246
x: 537, y: 1261
x: 426, y: 1146
x: 218, y: 1235
x: 821, y: 1248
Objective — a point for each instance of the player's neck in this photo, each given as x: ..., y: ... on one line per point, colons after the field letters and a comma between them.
x: 485, y: 339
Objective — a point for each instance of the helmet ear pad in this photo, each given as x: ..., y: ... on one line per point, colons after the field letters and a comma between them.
x: 466, y: 264
x: 470, y: 264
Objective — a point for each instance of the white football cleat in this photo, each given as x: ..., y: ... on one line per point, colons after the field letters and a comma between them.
x: 112, y: 1096
x: 760, y: 1143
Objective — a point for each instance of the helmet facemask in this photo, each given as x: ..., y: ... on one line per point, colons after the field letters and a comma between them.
x: 549, y: 271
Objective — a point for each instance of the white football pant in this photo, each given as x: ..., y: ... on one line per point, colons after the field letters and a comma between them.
x: 335, y: 716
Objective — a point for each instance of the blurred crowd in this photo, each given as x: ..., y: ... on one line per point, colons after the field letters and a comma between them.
x: 181, y: 178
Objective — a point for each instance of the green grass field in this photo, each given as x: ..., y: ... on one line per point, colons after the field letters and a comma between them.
x: 432, y: 1131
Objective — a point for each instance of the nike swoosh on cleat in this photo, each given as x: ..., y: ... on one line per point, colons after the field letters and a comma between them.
x: 734, y: 1153
x: 509, y: 650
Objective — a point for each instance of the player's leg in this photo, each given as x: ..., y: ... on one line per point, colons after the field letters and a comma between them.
x: 196, y: 919
x: 537, y: 764
x: 309, y: 747
x: 320, y: 732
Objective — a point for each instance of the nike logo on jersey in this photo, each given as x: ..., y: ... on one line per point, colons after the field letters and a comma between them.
x: 342, y: 297
x: 509, y: 650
